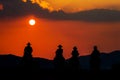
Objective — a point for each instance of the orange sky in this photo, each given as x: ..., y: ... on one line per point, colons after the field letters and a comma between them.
x: 77, y: 5
x: 46, y: 35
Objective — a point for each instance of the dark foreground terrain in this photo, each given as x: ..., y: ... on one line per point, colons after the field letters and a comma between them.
x: 51, y: 74
x: 11, y: 67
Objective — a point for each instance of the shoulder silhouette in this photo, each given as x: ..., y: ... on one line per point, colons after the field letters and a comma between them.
x: 27, y: 57
x: 59, y: 60
x: 74, y: 60
x: 95, y: 59
x: 28, y: 51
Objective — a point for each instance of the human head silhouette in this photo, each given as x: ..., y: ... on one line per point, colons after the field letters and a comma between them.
x: 59, y: 46
x: 75, y: 48
x: 28, y: 44
x: 95, y: 47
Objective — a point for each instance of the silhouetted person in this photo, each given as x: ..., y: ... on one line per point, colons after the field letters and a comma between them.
x: 95, y: 60
x: 74, y: 60
x: 59, y: 60
x: 27, y: 57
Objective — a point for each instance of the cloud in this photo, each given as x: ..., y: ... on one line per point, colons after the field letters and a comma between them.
x: 78, y: 5
x: 17, y: 8
x: 42, y: 3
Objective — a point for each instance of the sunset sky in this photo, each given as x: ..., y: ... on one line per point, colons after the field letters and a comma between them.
x: 55, y: 27
x: 77, y: 5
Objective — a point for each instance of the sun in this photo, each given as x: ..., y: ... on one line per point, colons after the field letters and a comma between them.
x: 32, y: 22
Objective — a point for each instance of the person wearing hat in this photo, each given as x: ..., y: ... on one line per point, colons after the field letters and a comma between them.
x: 74, y: 63
x: 59, y: 60
x: 59, y: 50
x: 95, y: 59
x: 75, y: 52
x: 28, y: 52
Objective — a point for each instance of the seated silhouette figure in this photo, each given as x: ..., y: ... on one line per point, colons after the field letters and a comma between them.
x: 59, y: 60
x: 95, y: 60
x: 74, y: 60
x: 27, y: 57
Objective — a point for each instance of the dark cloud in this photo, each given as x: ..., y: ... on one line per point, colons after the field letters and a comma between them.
x: 17, y: 8
x: 97, y: 15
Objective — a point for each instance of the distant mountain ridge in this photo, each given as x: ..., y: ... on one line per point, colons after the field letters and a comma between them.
x: 107, y: 60
x: 97, y: 15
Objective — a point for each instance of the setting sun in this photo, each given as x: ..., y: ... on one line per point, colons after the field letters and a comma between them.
x: 32, y: 22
